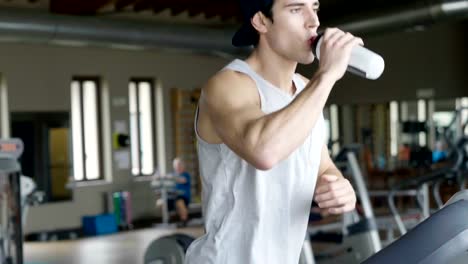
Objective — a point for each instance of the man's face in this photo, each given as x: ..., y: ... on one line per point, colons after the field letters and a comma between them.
x: 295, y: 22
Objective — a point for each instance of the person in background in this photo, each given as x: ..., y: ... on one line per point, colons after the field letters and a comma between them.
x: 440, y: 152
x: 183, y: 185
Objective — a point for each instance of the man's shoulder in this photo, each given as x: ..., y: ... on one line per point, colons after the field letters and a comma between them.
x: 228, y: 77
x: 229, y: 84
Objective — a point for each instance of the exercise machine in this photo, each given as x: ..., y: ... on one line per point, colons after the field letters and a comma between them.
x: 168, y: 249
x: 458, y: 154
x: 441, y: 238
x: 359, y: 237
x: 11, y: 233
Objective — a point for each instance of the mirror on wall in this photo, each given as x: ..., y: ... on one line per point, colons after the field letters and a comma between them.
x: 389, y: 131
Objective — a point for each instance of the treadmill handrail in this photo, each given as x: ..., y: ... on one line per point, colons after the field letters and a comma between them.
x: 415, y: 182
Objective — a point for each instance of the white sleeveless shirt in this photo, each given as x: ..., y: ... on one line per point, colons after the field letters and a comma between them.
x: 253, y: 216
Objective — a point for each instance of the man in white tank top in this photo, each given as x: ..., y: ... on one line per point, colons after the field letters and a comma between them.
x: 260, y: 135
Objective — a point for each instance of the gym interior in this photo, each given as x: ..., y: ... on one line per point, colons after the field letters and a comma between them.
x: 97, y: 110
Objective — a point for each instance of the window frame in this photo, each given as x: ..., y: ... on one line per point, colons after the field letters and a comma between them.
x: 99, y: 127
x: 136, y: 81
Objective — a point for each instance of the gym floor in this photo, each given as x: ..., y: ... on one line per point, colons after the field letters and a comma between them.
x: 125, y: 248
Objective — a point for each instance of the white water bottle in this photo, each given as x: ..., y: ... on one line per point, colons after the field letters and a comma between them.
x: 363, y: 62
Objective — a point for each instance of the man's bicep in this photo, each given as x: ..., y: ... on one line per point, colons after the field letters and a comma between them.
x: 232, y: 108
x: 231, y: 123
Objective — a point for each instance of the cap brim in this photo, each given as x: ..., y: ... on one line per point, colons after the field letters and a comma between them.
x: 245, y: 36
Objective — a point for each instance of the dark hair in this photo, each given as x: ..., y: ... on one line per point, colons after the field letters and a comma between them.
x: 268, y: 12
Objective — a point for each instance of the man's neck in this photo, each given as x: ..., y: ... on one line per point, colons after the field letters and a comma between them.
x: 274, y: 69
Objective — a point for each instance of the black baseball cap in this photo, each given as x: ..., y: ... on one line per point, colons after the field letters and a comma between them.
x: 247, y: 34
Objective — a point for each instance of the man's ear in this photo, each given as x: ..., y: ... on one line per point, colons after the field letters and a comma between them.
x: 259, y: 22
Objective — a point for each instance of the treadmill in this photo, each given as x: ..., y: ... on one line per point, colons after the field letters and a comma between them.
x: 441, y: 238
x: 11, y: 233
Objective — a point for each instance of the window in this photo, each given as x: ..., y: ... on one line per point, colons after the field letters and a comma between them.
x: 422, y: 117
x: 142, y: 128
x: 394, y: 128
x: 334, y: 129
x: 464, y: 114
x: 4, y: 110
x: 442, y: 118
x: 86, y: 129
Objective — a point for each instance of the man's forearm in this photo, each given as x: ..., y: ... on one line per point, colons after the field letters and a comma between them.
x: 332, y: 170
